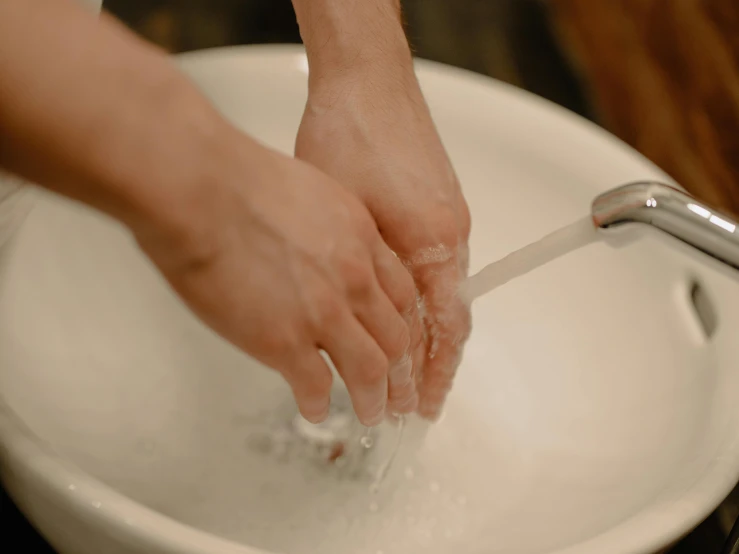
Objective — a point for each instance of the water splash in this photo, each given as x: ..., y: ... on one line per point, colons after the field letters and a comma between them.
x: 387, y: 464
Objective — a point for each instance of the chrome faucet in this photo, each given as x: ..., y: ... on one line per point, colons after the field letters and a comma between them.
x: 673, y: 212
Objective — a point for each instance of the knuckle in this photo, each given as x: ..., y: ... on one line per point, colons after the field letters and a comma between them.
x: 451, y: 222
x: 366, y: 229
x: 372, y: 371
x: 449, y: 229
x: 330, y: 310
x: 357, y: 274
x: 276, y: 340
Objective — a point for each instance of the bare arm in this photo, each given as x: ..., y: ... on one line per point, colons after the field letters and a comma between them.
x: 353, y: 35
x: 367, y: 124
x: 91, y: 112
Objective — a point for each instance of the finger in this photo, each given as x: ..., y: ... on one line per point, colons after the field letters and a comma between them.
x: 381, y: 319
x: 447, y: 322
x: 397, y: 283
x: 362, y: 365
x: 310, y: 379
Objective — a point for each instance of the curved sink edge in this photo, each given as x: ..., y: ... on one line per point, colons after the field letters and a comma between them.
x: 31, y: 454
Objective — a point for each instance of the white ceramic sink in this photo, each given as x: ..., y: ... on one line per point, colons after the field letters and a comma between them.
x: 591, y: 413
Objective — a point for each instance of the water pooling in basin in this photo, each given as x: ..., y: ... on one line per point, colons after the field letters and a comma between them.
x: 340, y: 445
x: 291, y: 505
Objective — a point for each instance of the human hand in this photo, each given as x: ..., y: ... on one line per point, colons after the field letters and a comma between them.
x: 291, y: 263
x: 276, y: 256
x: 370, y: 128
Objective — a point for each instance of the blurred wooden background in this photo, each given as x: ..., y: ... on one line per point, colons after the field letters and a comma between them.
x: 664, y: 76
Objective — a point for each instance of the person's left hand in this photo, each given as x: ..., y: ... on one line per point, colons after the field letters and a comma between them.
x: 372, y: 131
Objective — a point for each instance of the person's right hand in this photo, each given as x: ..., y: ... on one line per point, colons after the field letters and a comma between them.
x: 284, y: 262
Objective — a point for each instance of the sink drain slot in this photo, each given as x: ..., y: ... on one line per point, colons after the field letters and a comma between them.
x: 703, y: 309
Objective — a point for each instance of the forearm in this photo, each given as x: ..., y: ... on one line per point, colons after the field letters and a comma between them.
x: 90, y: 111
x: 350, y: 36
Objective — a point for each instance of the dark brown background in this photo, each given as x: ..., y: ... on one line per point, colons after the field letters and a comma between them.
x: 661, y: 74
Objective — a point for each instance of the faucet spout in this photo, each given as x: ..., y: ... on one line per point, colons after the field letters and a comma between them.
x: 673, y: 212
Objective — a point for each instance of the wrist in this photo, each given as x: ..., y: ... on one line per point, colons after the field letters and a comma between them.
x: 347, y: 39
x: 147, y: 189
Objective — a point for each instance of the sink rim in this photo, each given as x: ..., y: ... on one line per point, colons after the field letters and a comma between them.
x: 29, y: 457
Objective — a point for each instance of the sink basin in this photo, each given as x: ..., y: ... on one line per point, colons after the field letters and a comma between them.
x: 595, y: 409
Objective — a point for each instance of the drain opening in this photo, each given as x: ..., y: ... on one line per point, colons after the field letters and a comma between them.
x: 704, y: 309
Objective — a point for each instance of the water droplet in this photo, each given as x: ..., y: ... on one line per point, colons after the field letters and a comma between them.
x: 448, y: 534
x: 461, y: 500
x: 409, y: 473
x: 379, y: 552
x: 374, y: 507
x: 72, y: 487
x: 366, y: 441
x: 97, y: 504
x: 434, y: 486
